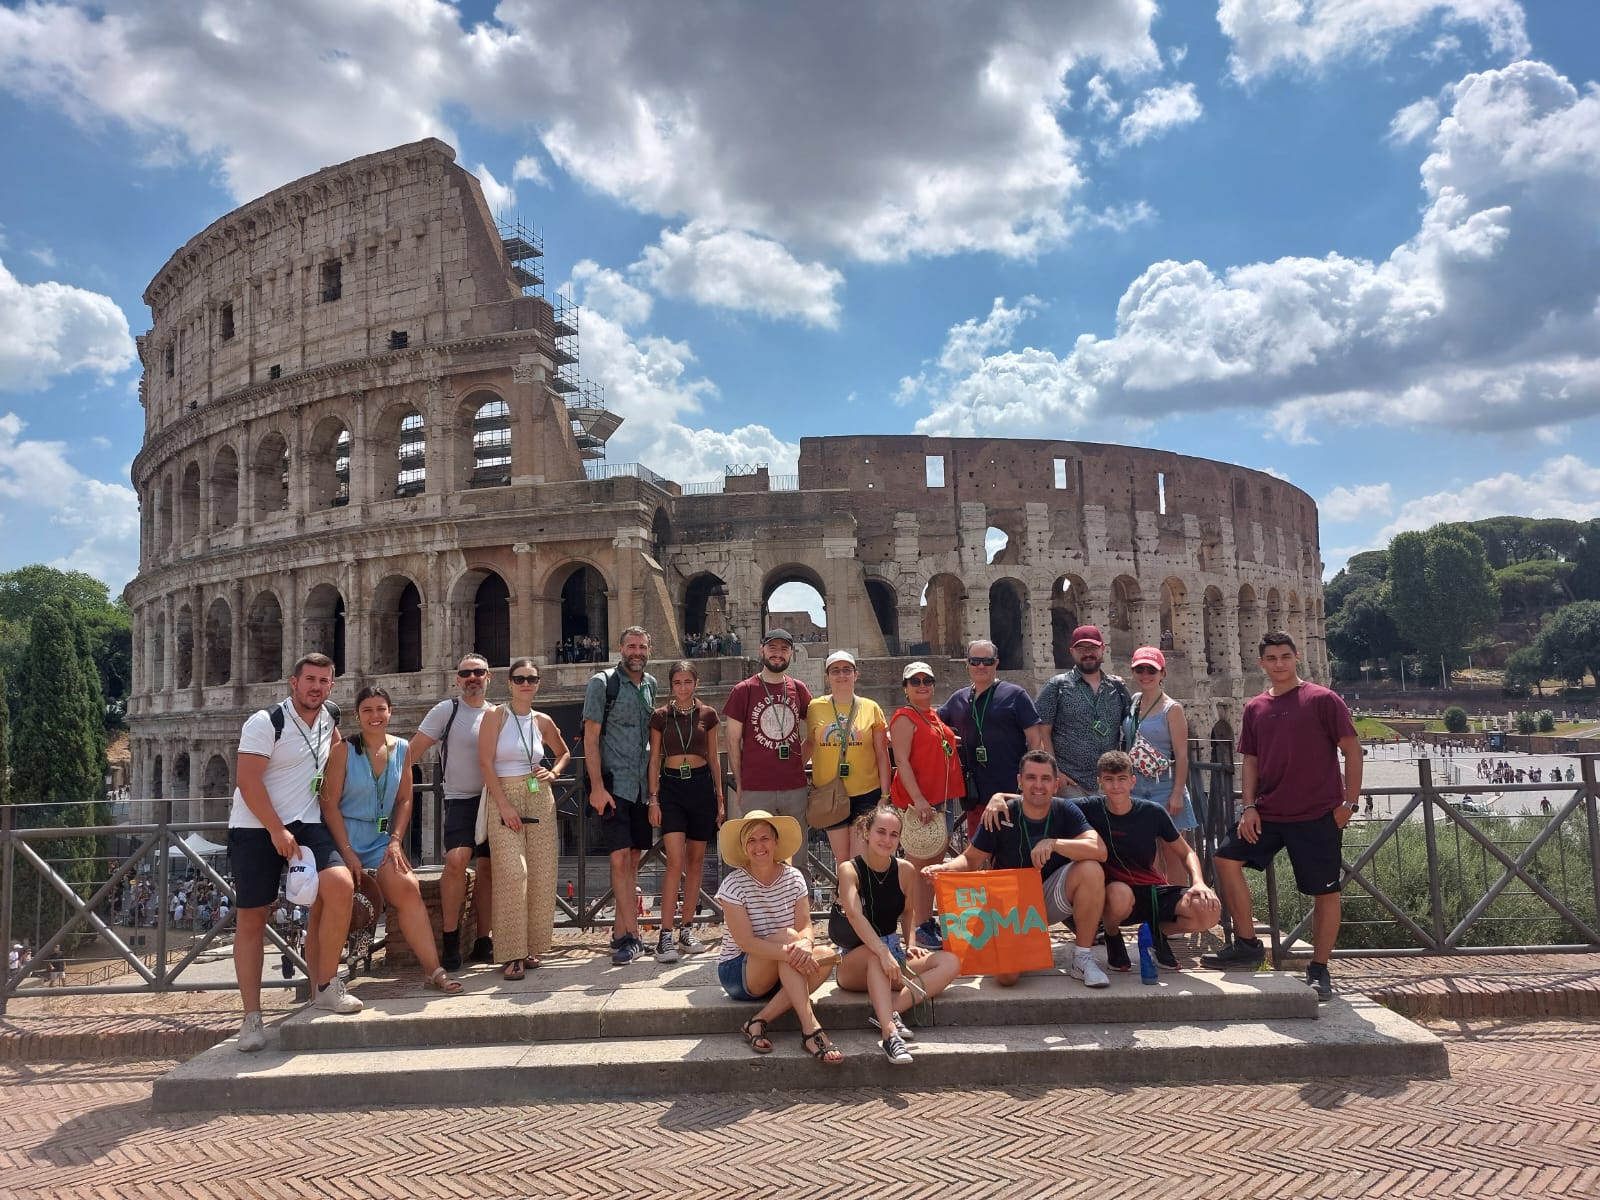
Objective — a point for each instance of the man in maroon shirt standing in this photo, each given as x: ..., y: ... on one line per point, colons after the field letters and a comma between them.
x: 1294, y: 799
x: 766, y: 740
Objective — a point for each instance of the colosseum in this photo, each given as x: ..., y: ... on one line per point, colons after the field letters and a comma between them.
x: 365, y: 434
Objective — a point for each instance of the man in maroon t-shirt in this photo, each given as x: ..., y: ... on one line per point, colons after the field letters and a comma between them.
x: 766, y: 740
x: 1294, y: 799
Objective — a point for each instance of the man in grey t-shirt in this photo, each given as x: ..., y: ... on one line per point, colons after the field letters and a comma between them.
x: 452, y: 725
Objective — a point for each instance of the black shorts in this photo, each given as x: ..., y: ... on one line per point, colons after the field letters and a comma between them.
x: 1315, y: 851
x: 460, y: 823
x: 860, y: 806
x: 1166, y: 900
x: 689, y: 806
x: 258, y: 867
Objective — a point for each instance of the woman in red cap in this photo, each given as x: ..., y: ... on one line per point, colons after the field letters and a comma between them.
x: 1161, y: 742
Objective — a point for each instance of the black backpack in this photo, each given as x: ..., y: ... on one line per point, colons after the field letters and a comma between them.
x: 275, y: 715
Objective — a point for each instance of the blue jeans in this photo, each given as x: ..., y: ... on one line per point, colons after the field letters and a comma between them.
x: 730, y: 974
x: 1158, y: 791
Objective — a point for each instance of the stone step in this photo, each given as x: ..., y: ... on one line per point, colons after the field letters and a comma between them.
x: 590, y: 1001
x: 1352, y: 1037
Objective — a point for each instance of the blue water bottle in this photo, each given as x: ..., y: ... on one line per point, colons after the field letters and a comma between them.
x: 1147, y: 963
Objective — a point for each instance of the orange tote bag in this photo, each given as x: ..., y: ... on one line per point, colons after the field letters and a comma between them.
x: 994, y: 921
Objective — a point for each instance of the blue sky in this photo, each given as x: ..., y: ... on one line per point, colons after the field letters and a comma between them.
x: 1352, y: 242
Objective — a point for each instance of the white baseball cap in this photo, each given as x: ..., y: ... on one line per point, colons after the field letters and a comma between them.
x: 301, y: 887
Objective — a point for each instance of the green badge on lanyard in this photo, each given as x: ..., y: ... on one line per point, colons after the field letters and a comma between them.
x: 533, y: 784
x: 783, y: 752
x: 844, y: 770
x: 685, y: 771
x: 982, y: 755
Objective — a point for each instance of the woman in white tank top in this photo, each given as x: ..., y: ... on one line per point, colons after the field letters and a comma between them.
x: 522, y: 829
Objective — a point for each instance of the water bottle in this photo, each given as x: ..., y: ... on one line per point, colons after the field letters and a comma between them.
x: 1147, y: 963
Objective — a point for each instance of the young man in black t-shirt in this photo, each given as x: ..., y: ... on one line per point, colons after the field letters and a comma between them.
x: 1039, y: 829
x: 1138, y: 834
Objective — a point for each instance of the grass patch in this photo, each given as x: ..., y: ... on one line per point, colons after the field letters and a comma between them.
x: 1372, y: 729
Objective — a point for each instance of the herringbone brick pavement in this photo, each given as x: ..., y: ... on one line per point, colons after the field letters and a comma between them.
x: 1520, y: 1117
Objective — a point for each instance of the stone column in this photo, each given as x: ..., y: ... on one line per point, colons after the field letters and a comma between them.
x: 236, y: 647
x: 530, y: 627
x: 846, y: 594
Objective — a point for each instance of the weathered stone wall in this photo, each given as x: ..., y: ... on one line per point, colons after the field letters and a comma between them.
x: 397, y: 506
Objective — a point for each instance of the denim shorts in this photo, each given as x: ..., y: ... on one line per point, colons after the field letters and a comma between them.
x: 730, y: 974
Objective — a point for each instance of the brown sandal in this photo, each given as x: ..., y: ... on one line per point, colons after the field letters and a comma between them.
x: 440, y: 981
x: 757, y: 1037
x: 532, y: 961
x: 513, y: 971
x: 823, y: 1052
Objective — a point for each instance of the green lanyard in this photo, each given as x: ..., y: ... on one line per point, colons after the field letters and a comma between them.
x: 938, y: 733
x: 1025, y: 840
x: 981, y: 751
x: 527, y: 746
x: 683, y: 742
x: 1097, y: 724
x: 317, y: 758
x: 380, y: 779
x: 844, y: 725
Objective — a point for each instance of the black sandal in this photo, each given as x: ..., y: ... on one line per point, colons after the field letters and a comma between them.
x: 823, y: 1052
x: 757, y: 1038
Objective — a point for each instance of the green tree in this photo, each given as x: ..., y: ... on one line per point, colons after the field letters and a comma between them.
x: 1440, y: 592
x: 56, y: 764
x: 1569, y: 643
x: 1525, y: 669
x: 107, y: 622
x: 1455, y: 719
x: 1534, y: 587
x: 1362, y: 629
x: 1585, y: 580
x: 1359, y: 572
x: 5, y: 744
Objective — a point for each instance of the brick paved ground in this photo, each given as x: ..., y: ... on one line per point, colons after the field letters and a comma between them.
x: 1519, y: 1117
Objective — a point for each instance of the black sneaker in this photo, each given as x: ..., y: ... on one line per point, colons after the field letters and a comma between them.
x: 894, y: 1049
x: 483, y: 950
x: 1318, y: 981
x: 450, y: 955
x: 688, y: 943
x: 1117, y: 952
x: 1161, y: 950
x: 1241, y: 954
x: 666, y: 948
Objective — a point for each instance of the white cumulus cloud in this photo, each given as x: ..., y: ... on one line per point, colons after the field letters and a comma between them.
x: 501, y: 197
x: 99, y: 521
x: 1344, y: 504
x: 53, y: 329
x: 1272, y: 35
x: 1565, y: 486
x: 1159, y: 110
x: 1488, y: 318
x: 726, y: 268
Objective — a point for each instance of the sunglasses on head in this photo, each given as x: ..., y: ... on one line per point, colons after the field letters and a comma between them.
x: 472, y: 672
x: 921, y: 681
x: 525, y: 680
x: 1145, y: 669
x: 984, y: 661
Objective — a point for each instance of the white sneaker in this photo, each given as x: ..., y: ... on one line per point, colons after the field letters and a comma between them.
x: 335, y: 999
x: 252, y: 1036
x: 1085, y: 968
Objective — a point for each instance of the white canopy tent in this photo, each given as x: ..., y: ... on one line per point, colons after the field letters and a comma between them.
x: 199, y: 846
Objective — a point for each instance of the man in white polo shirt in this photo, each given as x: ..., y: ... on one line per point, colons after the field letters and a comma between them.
x: 283, y: 752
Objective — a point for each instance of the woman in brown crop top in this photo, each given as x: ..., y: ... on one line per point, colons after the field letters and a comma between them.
x: 686, y: 803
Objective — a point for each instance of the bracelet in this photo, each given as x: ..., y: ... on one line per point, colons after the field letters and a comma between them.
x: 1247, y: 808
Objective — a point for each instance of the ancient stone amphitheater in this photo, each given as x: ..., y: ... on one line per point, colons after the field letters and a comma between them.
x: 365, y: 434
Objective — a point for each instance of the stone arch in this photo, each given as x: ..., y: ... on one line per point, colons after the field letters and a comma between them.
x: 584, y: 595
x: 396, y: 626
x: 323, y: 624
x: 158, y: 783
x: 1221, y: 750
x: 180, y: 775
x: 1212, y: 616
x: 1009, y: 524
x: 943, y: 624
x: 158, y: 655
x: 269, y: 471
x: 1174, y: 614
x: 189, y: 502
x: 225, y: 488
x: 661, y: 534
x: 397, y: 443
x: 487, y: 429
x: 1249, y: 626
x: 705, y: 604
x: 1008, y: 622
x: 219, y: 643
x: 328, y: 463
x: 184, y: 637
x: 792, y: 573
x: 263, y: 639
x: 1069, y: 608
x: 217, y: 780
x: 1294, y: 622
x: 885, y: 603
x: 491, y: 619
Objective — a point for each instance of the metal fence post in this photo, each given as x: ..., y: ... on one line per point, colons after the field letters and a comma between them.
x: 1592, y: 819
x: 7, y: 818
x: 1431, y: 842
x: 163, y: 888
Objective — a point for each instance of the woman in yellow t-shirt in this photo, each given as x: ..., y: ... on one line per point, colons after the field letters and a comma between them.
x: 849, y: 739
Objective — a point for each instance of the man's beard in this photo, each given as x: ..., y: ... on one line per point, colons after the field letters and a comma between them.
x: 776, y: 666
x: 1089, y: 666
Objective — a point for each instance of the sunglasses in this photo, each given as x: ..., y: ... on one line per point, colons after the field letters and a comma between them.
x: 524, y: 680
x: 921, y: 681
x: 472, y: 672
x: 982, y: 662
x: 1143, y: 669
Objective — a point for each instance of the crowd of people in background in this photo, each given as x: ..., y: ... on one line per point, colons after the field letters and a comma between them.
x: 580, y: 648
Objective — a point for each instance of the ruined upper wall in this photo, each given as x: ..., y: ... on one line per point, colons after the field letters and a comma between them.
x: 328, y: 269
x: 883, y: 475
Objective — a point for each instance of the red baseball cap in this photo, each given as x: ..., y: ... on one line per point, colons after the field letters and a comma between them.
x: 1150, y: 655
x: 1087, y: 633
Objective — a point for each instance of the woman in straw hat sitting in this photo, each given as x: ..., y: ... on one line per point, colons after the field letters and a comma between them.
x: 768, y: 952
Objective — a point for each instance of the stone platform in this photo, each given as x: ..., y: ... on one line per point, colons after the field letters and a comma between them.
x: 579, y: 1028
